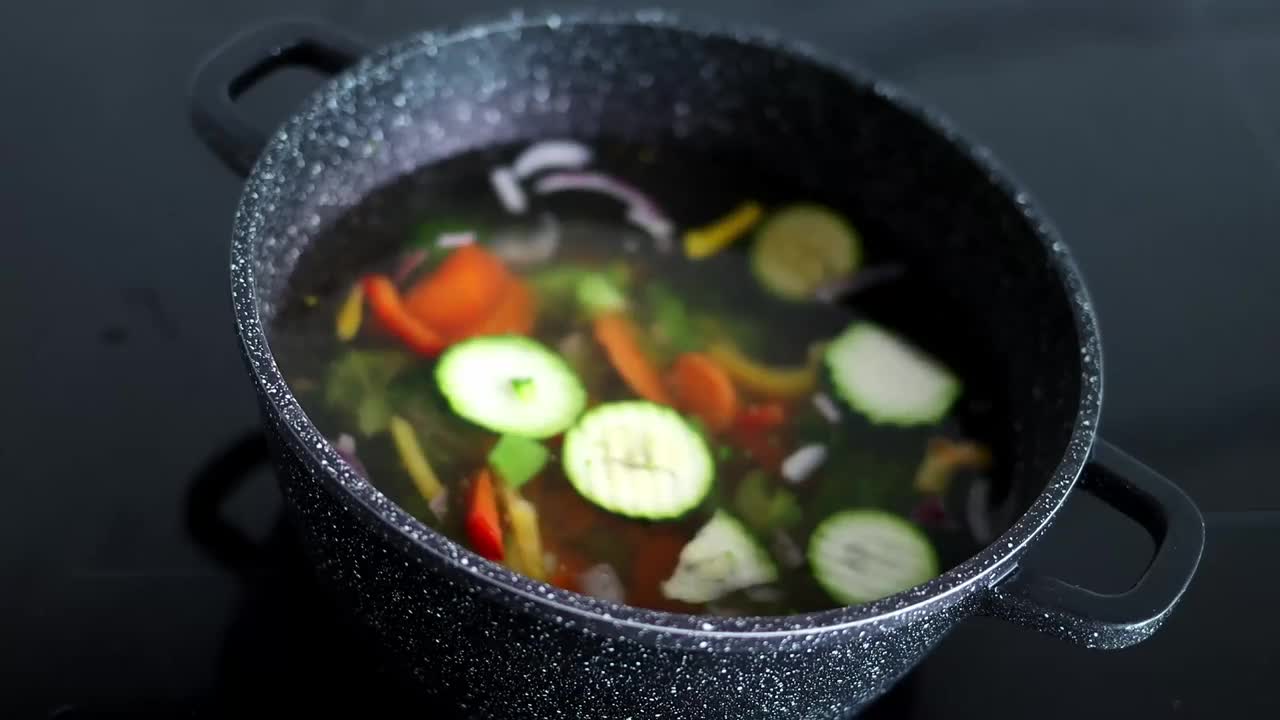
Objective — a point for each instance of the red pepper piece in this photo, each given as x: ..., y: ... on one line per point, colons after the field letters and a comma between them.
x: 483, y: 528
x: 762, y: 416
x: 389, y: 308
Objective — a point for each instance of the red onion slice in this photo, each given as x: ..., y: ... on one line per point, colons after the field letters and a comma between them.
x: 529, y: 248
x: 641, y: 209
x: 408, y: 264
x: 930, y: 512
x: 802, y: 463
x: 655, y: 224
x: 455, y: 239
x: 826, y: 407
x: 551, y: 154
x: 977, y: 511
x: 440, y: 503
x: 346, y: 447
x: 986, y: 522
x: 602, y: 581
x: 786, y: 550
x: 862, y: 280
x: 507, y: 187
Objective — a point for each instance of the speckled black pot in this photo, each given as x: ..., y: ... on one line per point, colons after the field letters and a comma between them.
x: 497, y: 644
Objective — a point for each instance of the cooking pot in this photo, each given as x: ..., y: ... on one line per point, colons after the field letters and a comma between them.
x: 496, y: 643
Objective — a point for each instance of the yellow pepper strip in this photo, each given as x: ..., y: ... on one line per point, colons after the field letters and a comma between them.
x: 708, y: 240
x: 350, y: 314
x: 774, y: 382
x: 413, y: 458
x: 525, y: 545
x: 943, y: 457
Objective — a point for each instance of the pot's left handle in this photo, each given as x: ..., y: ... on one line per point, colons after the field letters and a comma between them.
x: 1061, y: 609
x: 242, y: 62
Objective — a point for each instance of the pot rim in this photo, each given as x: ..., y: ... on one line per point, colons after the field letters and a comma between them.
x: 979, y: 572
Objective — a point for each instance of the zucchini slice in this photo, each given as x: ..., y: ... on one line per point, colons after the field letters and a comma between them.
x: 862, y: 555
x: 511, y: 385
x: 638, y: 459
x: 890, y: 381
x: 801, y: 248
x: 721, y: 558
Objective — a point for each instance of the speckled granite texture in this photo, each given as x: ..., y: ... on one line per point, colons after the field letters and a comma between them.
x: 497, y: 644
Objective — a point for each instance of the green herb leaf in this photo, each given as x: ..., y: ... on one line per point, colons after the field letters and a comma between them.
x: 673, y: 328
x: 763, y: 506
x: 357, y: 385
x: 596, y: 294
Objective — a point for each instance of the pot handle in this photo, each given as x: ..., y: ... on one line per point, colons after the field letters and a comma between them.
x: 1070, y: 612
x: 210, y: 490
x: 244, y: 61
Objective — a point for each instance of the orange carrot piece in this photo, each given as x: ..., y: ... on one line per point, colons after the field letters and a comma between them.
x: 618, y: 336
x: 389, y: 309
x: 703, y: 389
x: 653, y: 566
x: 514, y: 314
x: 461, y: 292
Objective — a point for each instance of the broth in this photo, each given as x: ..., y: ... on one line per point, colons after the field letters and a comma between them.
x: 509, y: 380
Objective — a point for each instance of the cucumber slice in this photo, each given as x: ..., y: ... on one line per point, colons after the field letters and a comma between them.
x: 638, y: 459
x: 512, y: 385
x: 801, y: 248
x: 721, y: 558
x: 885, y: 378
x: 862, y: 555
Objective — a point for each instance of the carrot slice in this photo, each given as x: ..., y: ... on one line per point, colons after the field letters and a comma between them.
x: 483, y: 529
x: 651, y: 567
x: 461, y: 292
x: 514, y: 314
x: 704, y: 390
x: 618, y: 336
x: 389, y: 309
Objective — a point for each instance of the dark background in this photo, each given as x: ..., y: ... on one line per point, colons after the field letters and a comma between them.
x: 1149, y: 130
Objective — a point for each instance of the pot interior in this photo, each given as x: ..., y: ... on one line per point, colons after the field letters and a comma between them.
x: 1007, y: 323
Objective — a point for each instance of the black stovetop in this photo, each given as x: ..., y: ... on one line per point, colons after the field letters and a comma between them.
x: 1149, y: 130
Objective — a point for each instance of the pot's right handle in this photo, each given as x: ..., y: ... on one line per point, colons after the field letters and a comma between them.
x: 242, y: 62
x: 1067, y: 611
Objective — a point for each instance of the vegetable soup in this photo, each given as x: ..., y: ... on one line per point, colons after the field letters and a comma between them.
x: 660, y: 382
